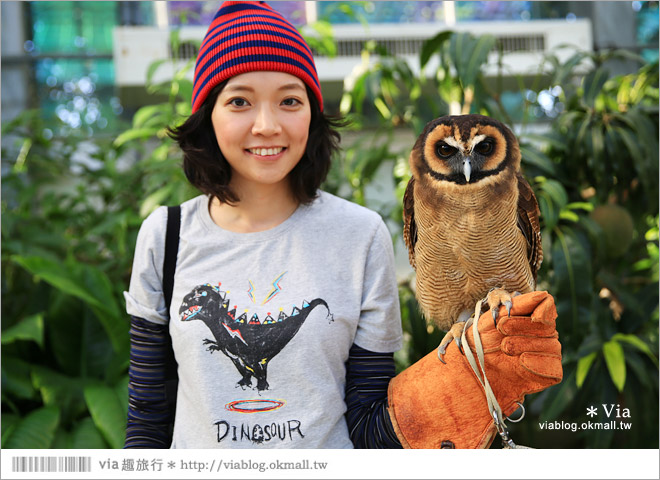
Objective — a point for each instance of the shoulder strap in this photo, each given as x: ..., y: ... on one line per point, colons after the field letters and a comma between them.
x: 169, y: 268
x: 171, y: 250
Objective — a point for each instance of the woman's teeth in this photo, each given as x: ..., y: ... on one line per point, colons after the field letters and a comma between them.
x: 263, y: 152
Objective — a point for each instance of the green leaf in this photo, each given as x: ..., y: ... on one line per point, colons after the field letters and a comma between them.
x: 60, y: 390
x: 572, y: 280
x: 432, y: 45
x: 151, y: 116
x: 532, y: 156
x: 86, y: 435
x: 155, y: 200
x: 616, y: 363
x: 636, y: 342
x: 87, y: 283
x: 593, y: 85
x: 36, y: 430
x: 108, y: 414
x: 8, y: 422
x: 57, y: 275
x: 583, y: 366
x: 134, y: 134
x: 30, y: 328
x: 580, y: 205
x: 16, y: 378
x: 556, y: 192
x: 151, y: 70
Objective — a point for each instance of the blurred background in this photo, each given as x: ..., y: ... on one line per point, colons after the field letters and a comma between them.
x: 88, y: 89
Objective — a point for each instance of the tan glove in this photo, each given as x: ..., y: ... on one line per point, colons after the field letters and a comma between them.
x: 436, y: 405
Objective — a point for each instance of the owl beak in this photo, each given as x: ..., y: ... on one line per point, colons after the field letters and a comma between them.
x: 467, y: 169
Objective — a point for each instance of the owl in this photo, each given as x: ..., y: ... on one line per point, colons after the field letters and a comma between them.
x: 471, y: 221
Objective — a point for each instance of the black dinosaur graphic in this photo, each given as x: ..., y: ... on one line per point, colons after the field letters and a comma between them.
x: 250, y: 344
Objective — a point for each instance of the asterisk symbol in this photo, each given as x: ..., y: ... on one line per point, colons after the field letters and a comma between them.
x: 171, y: 465
x: 591, y: 411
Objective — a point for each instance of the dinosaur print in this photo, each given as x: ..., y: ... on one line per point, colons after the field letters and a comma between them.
x: 249, y: 344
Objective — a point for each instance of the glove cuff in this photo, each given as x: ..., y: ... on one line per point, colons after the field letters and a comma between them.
x: 436, y: 405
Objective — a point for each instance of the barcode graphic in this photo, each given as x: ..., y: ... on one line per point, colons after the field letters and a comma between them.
x: 51, y: 464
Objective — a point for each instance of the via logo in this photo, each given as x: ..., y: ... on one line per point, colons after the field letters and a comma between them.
x: 618, y: 411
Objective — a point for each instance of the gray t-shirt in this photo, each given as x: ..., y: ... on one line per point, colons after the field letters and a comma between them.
x: 262, y: 322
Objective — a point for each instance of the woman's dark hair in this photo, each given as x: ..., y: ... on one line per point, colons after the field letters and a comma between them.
x: 207, y: 169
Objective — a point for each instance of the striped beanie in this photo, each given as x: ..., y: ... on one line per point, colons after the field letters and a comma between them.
x: 246, y: 37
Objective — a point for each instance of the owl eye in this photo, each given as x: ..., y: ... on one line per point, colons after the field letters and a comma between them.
x: 485, y: 147
x: 444, y: 150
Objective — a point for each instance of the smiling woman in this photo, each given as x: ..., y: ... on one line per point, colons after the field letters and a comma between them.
x: 261, y: 122
x: 258, y: 145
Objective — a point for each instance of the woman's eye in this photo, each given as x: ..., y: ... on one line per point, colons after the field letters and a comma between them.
x: 238, y: 102
x: 290, y: 102
x: 445, y: 150
x: 484, y: 148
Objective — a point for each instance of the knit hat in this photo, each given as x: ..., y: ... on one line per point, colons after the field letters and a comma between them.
x: 247, y: 37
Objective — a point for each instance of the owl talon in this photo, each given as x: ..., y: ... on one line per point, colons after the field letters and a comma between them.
x: 459, y: 345
x: 494, y: 312
x: 441, y: 354
x: 508, y: 304
x: 454, y: 334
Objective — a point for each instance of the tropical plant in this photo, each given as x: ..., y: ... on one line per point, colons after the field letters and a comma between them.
x: 69, y: 227
x: 594, y: 173
x: 71, y: 209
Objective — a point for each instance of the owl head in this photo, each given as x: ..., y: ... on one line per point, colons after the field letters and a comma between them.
x: 465, y: 150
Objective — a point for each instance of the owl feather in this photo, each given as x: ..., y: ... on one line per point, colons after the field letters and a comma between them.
x: 471, y: 220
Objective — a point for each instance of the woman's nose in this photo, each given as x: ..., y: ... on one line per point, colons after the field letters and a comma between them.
x: 266, y: 122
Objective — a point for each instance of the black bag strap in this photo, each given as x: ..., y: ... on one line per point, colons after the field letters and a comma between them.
x: 171, y: 251
x: 169, y: 268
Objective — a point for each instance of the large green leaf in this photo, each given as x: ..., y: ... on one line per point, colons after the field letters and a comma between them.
x: 16, y: 377
x: 469, y: 54
x: 636, y: 342
x: 583, y: 366
x: 86, y: 435
x: 108, y: 413
x: 8, y: 422
x: 136, y: 134
x: 572, y: 282
x: 432, y: 46
x: 534, y: 157
x: 60, y: 390
x: 616, y: 363
x: 36, y: 430
x: 59, y: 276
x: 593, y: 85
x: 87, y: 283
x: 30, y: 328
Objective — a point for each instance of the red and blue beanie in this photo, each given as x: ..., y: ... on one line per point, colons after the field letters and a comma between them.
x: 247, y: 37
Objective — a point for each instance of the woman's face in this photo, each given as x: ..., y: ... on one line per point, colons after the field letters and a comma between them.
x: 261, y: 122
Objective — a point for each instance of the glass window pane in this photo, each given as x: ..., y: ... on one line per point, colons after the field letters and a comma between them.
x: 54, y: 27
x: 97, y: 21
x: 382, y: 12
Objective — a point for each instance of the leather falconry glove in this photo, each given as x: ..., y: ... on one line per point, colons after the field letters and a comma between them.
x: 436, y: 405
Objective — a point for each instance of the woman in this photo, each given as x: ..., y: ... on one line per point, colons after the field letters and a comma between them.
x: 293, y: 289
x: 284, y: 314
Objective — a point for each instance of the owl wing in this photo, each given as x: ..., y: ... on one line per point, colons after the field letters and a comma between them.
x: 528, y: 223
x: 409, y: 225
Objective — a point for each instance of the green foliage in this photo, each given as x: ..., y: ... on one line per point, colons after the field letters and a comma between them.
x: 69, y: 228
x: 594, y: 173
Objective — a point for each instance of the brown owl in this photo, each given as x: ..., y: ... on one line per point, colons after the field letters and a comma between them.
x: 471, y: 221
